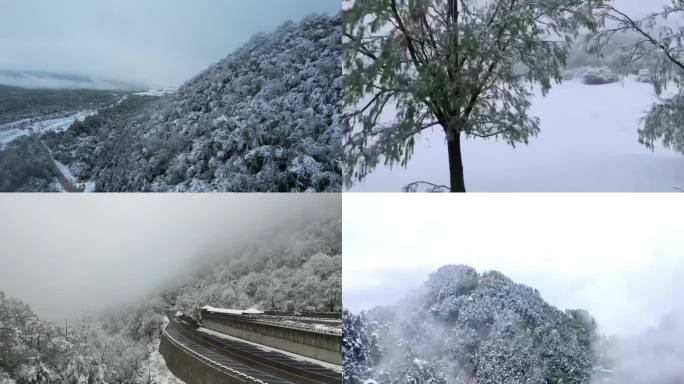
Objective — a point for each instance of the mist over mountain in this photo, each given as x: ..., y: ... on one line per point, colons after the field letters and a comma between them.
x: 53, y: 80
x: 94, y: 312
x: 265, y: 118
x: 465, y: 327
x: 154, y: 43
x: 653, y: 356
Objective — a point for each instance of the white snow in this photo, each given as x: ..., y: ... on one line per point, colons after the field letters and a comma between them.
x: 157, y: 92
x: 314, y: 327
x: 89, y: 186
x: 62, y: 123
x: 121, y: 100
x: 24, y: 127
x: 66, y: 172
x: 158, y: 367
x: 223, y: 310
x: 10, y: 135
x: 250, y: 311
x: 15, y: 124
x: 334, y: 367
x: 56, y: 186
x: 588, y: 142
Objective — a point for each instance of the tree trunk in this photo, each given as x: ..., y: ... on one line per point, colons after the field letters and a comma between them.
x: 455, y: 163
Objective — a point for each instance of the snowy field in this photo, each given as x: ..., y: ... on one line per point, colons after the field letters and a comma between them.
x: 62, y: 123
x: 27, y: 126
x: 10, y: 135
x: 588, y: 142
x: 157, y: 92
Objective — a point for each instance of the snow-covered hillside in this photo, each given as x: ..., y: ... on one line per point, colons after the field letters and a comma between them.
x: 263, y: 119
x: 465, y: 327
x: 588, y: 142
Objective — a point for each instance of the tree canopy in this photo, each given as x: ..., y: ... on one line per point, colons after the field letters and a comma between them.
x: 465, y: 66
x: 658, y: 48
x: 465, y: 327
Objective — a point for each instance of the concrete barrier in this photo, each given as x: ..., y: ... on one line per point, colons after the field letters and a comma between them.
x: 316, y: 345
x: 193, y: 369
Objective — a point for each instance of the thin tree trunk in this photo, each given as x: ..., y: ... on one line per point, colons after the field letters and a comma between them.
x: 455, y: 163
x: 454, y: 138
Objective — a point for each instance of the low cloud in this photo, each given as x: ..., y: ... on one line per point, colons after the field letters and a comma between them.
x: 63, y: 254
x: 156, y: 43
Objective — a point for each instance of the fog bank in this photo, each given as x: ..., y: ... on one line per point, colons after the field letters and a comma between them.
x: 618, y: 256
x: 154, y: 42
x: 62, y: 254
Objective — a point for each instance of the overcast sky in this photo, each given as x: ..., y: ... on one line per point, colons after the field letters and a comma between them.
x: 65, y: 253
x: 619, y: 256
x: 640, y: 7
x: 157, y: 42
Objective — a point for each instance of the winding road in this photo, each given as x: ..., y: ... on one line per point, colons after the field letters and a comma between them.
x: 268, y: 366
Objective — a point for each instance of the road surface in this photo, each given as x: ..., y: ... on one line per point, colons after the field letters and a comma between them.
x: 269, y: 366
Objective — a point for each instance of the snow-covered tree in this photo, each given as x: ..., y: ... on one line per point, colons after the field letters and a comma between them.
x: 296, y: 272
x: 464, y: 66
x: 265, y: 118
x: 657, y: 45
x: 469, y: 328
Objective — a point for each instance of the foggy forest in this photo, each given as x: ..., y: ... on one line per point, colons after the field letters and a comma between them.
x: 108, y: 330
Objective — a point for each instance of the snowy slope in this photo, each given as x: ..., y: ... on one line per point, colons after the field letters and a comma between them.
x: 588, y: 142
x: 265, y: 118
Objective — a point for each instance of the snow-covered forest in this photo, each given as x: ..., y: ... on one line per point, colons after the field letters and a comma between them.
x: 265, y: 118
x: 19, y: 103
x: 81, y: 351
x: 298, y: 271
x: 465, y: 327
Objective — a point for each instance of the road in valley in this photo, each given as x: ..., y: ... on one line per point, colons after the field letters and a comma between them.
x: 266, y: 365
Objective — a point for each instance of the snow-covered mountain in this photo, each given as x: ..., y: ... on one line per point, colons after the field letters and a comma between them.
x: 465, y: 327
x: 263, y: 119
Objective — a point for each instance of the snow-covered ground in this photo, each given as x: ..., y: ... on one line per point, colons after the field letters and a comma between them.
x: 10, y: 135
x: 27, y: 126
x: 588, y: 142
x: 157, y: 92
x: 231, y: 311
x: 158, y: 366
x: 62, y: 123
x: 88, y: 186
